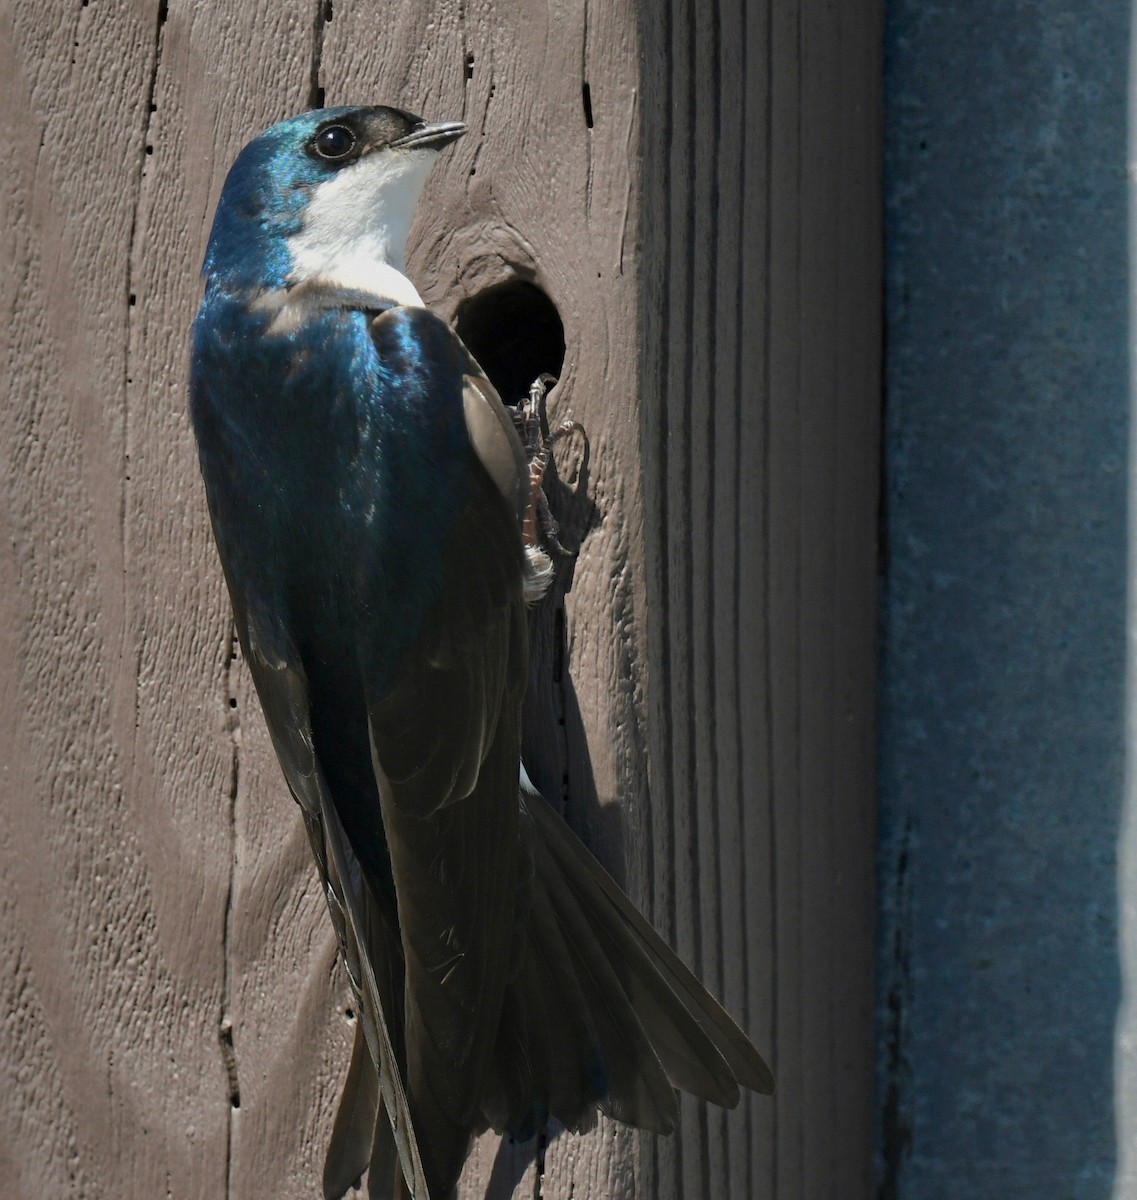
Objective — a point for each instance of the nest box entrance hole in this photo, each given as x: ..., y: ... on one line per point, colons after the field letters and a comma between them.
x: 514, y: 331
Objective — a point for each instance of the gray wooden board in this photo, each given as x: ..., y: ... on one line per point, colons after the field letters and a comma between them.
x: 175, y: 1022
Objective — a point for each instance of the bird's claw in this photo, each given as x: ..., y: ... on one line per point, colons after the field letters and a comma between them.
x: 539, y: 529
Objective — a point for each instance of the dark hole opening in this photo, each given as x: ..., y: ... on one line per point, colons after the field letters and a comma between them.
x: 586, y: 97
x: 515, y: 332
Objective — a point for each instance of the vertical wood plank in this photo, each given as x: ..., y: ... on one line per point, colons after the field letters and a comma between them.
x: 535, y: 192
x: 279, y: 1036
x: 800, y: 575
x: 114, y: 936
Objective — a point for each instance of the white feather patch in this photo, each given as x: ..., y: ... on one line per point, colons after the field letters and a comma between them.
x: 354, y: 234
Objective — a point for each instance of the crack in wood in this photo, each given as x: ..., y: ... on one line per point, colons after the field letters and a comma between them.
x: 586, y: 100
x: 320, y: 21
x: 130, y: 293
x: 225, y: 1023
x: 628, y: 155
x: 467, y: 56
x: 481, y: 144
x: 229, y: 1057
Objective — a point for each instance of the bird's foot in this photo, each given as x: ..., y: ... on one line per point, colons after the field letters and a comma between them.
x: 539, y: 529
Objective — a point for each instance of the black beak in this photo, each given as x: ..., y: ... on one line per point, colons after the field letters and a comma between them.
x: 430, y: 137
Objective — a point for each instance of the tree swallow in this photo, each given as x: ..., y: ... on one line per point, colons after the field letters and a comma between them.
x: 368, y: 490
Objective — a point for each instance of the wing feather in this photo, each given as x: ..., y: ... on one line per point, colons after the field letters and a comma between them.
x: 451, y: 823
x: 282, y: 688
x: 445, y: 736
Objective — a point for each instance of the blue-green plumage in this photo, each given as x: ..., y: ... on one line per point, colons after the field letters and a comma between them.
x: 367, y: 490
x: 335, y: 461
x: 335, y: 466
x: 266, y: 192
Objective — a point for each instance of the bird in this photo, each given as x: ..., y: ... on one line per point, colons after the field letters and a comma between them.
x: 367, y: 490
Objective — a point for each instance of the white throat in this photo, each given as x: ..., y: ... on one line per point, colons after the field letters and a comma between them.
x: 354, y: 235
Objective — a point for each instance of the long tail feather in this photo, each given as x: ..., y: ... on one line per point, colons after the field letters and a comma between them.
x: 384, y: 1175
x: 346, y: 881
x: 602, y: 1013
x: 349, y: 1150
x: 679, y: 996
x: 633, y: 1085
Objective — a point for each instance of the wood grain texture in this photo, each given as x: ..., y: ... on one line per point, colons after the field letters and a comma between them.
x: 760, y: 212
x: 175, y: 1023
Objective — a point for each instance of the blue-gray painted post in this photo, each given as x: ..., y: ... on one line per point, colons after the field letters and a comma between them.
x: 1002, y: 752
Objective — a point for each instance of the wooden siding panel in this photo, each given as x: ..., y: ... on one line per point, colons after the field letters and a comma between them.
x: 113, y: 960
x: 710, y: 242
x: 534, y: 192
x: 278, y: 1033
x: 806, y: 279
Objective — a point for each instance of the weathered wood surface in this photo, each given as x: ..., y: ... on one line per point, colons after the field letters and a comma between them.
x: 174, y: 1023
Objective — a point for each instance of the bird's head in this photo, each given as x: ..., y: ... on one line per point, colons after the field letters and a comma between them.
x: 325, y: 198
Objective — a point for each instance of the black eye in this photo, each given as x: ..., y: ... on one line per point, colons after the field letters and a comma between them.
x: 334, y: 142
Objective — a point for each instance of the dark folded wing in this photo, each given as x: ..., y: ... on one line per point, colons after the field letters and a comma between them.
x: 283, y: 691
x: 445, y: 735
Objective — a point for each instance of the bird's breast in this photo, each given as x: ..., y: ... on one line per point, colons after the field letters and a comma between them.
x: 335, y: 461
